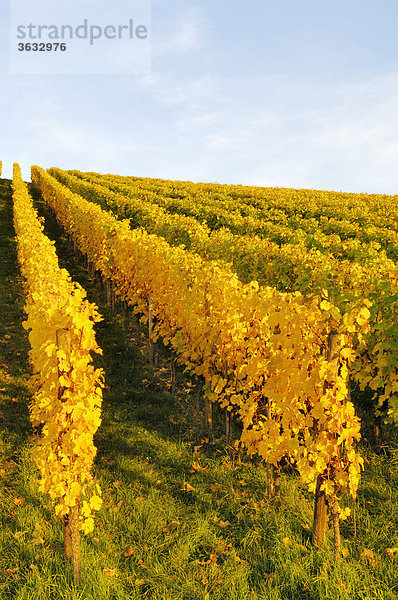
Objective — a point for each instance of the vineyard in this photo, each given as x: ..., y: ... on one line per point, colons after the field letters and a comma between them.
x: 198, y: 390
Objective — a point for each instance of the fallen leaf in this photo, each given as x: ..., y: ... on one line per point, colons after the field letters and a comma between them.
x: 19, y: 501
x: 142, y: 564
x: 187, y: 487
x: 369, y: 556
x: 38, y: 541
x: 108, y: 572
x: 287, y: 541
x: 196, y: 466
x: 11, y: 573
x: 172, y: 526
x: 127, y: 553
x: 223, y: 524
x: 10, y: 464
x: 8, y: 571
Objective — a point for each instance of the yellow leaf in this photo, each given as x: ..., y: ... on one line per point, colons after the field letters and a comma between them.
x: 197, y: 466
x: 346, y: 353
x: 75, y: 489
x: 87, y: 526
x: 344, y: 513
x: 223, y: 524
x: 325, y: 305
x: 19, y: 501
x: 109, y: 572
x: 64, y: 381
x: 95, y: 502
x: 187, y: 487
x: 369, y: 556
x: 142, y: 564
x: 287, y: 541
x: 129, y: 552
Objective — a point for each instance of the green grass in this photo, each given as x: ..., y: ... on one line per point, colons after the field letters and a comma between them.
x: 222, y: 540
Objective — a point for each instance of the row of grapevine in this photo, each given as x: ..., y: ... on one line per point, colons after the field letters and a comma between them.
x: 263, y: 354
x: 67, y: 389
x: 347, y: 241
x: 371, y: 209
x: 198, y: 236
x: 289, y: 267
x: 351, y: 233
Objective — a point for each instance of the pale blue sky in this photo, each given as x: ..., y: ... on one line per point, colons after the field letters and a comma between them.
x: 296, y: 93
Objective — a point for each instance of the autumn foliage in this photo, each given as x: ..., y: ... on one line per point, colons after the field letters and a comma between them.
x: 67, y: 388
x: 261, y: 353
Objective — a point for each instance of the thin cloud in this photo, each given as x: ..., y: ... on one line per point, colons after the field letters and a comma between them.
x: 182, y: 37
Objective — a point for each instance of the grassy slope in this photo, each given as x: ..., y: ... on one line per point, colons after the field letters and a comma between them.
x: 153, y: 539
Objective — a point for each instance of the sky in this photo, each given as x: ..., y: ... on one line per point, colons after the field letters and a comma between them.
x: 287, y: 93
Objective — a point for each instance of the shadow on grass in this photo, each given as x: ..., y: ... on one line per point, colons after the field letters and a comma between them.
x: 14, y: 374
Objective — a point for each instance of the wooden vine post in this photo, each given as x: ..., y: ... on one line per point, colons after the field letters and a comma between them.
x: 150, y: 332
x: 277, y: 483
x: 268, y: 464
x: 229, y: 425
x: 320, y: 516
x: 321, y: 502
x: 208, y: 403
x: 108, y: 291
x: 113, y: 300
x: 126, y: 317
x: 332, y: 503
x: 229, y: 419
x: 199, y: 395
x: 208, y: 414
x: 173, y: 374
x: 71, y: 520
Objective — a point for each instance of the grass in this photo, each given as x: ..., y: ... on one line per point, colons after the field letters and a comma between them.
x: 153, y: 539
